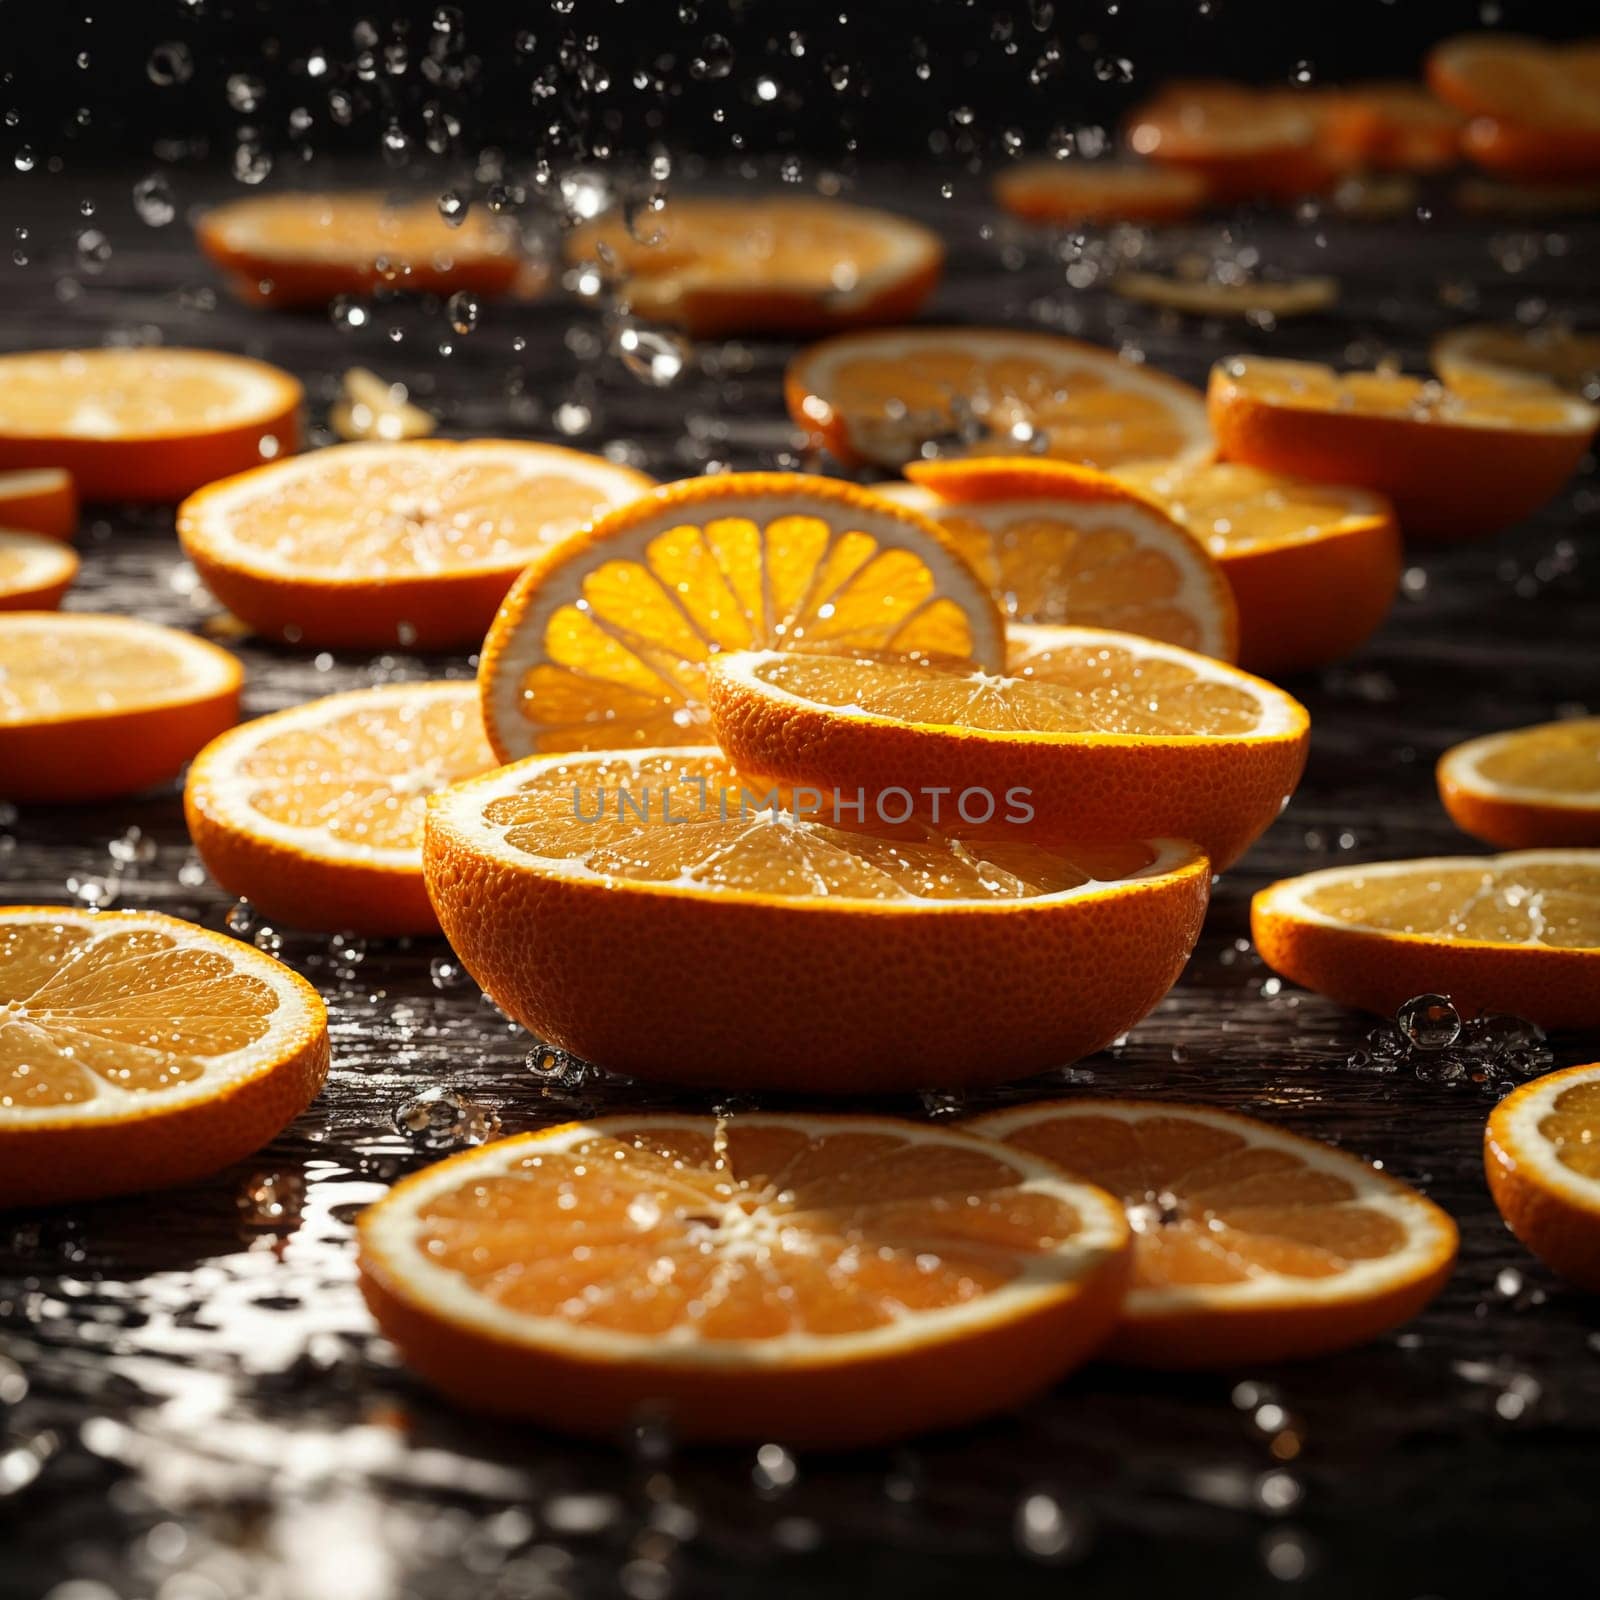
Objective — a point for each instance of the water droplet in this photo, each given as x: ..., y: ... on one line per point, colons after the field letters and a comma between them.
x: 346, y: 952
x: 446, y: 1119
x: 267, y: 940
x: 775, y: 1470
x: 714, y: 60
x: 23, y: 160
x: 252, y: 161
x: 444, y: 972
x: 1429, y: 1022
x: 244, y: 92
x: 453, y: 208
x: 94, y: 891
x: 347, y: 313
x: 462, y: 309
x: 651, y: 356
x: 557, y: 1067
x: 241, y: 919
x: 170, y: 63
x: 94, y: 250
x: 135, y: 848
x: 1047, y: 1530
x: 272, y: 1200
x: 153, y: 201
x: 396, y: 145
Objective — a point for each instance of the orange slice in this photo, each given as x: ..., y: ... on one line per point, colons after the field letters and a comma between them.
x: 315, y: 814
x: 820, y: 1280
x: 775, y: 264
x: 1529, y: 787
x: 366, y: 546
x: 1515, y: 933
x: 893, y: 395
x: 1213, y: 297
x: 1457, y: 466
x: 1099, y: 191
x: 1541, y: 1151
x: 603, y: 643
x: 303, y: 249
x: 1392, y: 127
x: 139, y: 1052
x: 39, y: 501
x: 1313, y: 567
x: 150, y: 424
x: 1539, y: 154
x: 1066, y: 544
x: 1102, y: 735
x: 94, y: 706
x: 1250, y: 1245
x: 1485, y: 356
x: 792, y: 942
x: 1526, y: 199
x: 34, y: 572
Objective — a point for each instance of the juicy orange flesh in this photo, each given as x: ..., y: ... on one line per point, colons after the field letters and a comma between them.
x: 364, y: 777
x: 1209, y: 1207
x: 1308, y: 385
x: 81, y: 1011
x: 1525, y: 81
x: 1556, y: 905
x: 107, y: 394
x: 1002, y: 404
x: 364, y: 228
x: 625, y: 664
x: 1572, y: 1125
x: 419, y: 513
x: 1558, y: 758
x: 1087, y: 688
x: 1234, y: 508
x: 1483, y: 355
x: 745, y: 1232
x: 692, y: 822
x: 75, y: 671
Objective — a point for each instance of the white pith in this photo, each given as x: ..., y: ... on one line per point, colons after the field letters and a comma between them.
x: 1514, y: 1131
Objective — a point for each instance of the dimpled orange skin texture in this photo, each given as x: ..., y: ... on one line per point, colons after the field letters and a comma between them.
x: 1560, y: 1231
x: 1448, y: 482
x: 46, y: 1163
x: 776, y: 995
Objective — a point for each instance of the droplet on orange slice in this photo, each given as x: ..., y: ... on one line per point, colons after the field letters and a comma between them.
x: 34, y: 571
x: 1516, y: 933
x: 93, y: 706
x: 1527, y: 788
x: 368, y: 546
x: 1250, y: 1244
x: 315, y: 814
x: 39, y: 500
x: 1099, y: 191
x: 138, y: 1052
x: 791, y: 942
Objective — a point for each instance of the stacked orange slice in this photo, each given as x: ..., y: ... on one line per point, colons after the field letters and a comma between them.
x: 34, y: 571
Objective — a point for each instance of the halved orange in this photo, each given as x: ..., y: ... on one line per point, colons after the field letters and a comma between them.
x: 819, y: 1280
x: 768, y: 264
x: 303, y: 249
x: 368, y: 546
x: 138, y: 1052
x: 1064, y: 544
x: 897, y: 394
x: 145, y: 424
x: 1541, y: 1150
x: 1313, y: 567
x: 1100, y: 735
x: 656, y: 913
x: 34, y: 572
x: 1392, y: 127
x: 1529, y: 787
x: 603, y: 642
x: 1516, y: 933
x: 1099, y: 191
x: 1249, y: 1244
x: 1485, y: 355
x: 93, y: 706
x: 315, y: 813
x: 40, y: 500
x: 1457, y: 466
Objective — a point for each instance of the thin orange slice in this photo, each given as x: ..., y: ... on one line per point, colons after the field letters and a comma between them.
x: 1514, y: 933
x: 1494, y: 197
x: 819, y: 1280
x: 1488, y: 356
x: 1392, y: 127
x: 138, y: 1052
x: 792, y: 942
x: 315, y: 813
x: 774, y: 264
x: 1213, y: 297
x: 34, y: 572
x: 1313, y: 567
x: 1065, y: 544
x: 1457, y: 466
x: 1537, y: 154
x: 1250, y: 1245
x: 898, y: 394
x: 94, y: 706
x: 1102, y: 735
x: 303, y: 249
x: 42, y: 500
x: 1529, y: 787
x: 1099, y: 191
x: 368, y: 546
x: 1541, y: 1151
x: 147, y: 424
x: 603, y: 643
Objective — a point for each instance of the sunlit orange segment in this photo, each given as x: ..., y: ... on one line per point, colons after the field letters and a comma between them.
x: 1528, y: 787
x: 138, y: 1051
x: 1099, y: 191
x: 302, y: 249
x: 34, y: 572
x: 1249, y: 1244
x: 767, y: 263
x: 823, y: 1280
x: 42, y: 501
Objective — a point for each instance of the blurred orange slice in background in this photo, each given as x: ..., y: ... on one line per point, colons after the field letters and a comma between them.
x: 34, y: 572
x: 40, y: 500
x: 1069, y: 192
x: 1485, y: 356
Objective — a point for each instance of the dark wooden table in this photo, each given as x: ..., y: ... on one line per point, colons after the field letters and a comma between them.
x: 205, y: 1411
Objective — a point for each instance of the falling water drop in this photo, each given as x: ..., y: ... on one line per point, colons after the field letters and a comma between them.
x: 445, y: 1119
x: 153, y: 201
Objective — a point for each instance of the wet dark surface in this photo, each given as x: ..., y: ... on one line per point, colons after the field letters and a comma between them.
x: 207, y: 1412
